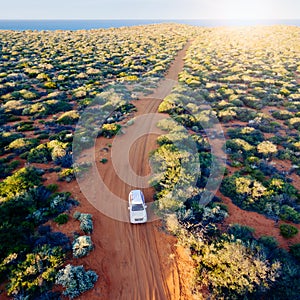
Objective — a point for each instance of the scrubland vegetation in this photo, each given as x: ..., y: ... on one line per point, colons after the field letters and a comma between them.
x: 247, y: 79
x: 46, y: 80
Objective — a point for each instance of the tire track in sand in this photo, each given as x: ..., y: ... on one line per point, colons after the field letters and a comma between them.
x: 136, y: 259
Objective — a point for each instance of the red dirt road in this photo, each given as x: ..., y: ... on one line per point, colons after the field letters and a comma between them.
x: 132, y: 261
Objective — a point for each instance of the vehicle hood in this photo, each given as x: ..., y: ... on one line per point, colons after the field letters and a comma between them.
x: 138, y: 214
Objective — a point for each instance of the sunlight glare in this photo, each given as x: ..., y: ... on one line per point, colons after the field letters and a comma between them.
x: 246, y: 10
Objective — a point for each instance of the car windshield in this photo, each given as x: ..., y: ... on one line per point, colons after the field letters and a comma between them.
x: 137, y: 207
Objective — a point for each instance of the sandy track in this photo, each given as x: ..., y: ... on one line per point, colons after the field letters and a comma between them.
x: 133, y: 261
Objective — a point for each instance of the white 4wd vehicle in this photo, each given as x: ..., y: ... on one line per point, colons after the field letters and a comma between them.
x: 137, y: 207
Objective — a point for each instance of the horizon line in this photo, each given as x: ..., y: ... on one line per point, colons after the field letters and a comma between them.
x: 154, y: 19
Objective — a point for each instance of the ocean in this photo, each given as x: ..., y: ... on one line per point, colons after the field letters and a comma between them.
x: 94, y: 24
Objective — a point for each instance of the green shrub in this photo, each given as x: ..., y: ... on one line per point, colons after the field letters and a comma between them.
x: 282, y: 114
x: 22, y: 145
x: 61, y: 219
x: 233, y: 270
x: 50, y: 85
x: 8, y: 137
x: 295, y: 250
x: 55, y: 106
x: 288, y: 213
x: 269, y: 241
x: 287, y: 230
x: 36, y: 109
x: 40, y: 154
x: 57, y: 149
x: 53, y: 187
x: 110, y: 130
x: 19, y: 182
x: 25, y: 126
x: 67, y: 175
x: 103, y: 160
x: 35, y: 272
x: 68, y: 118
x: 7, y: 168
x: 241, y: 232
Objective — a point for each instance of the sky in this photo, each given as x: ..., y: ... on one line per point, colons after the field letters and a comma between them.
x: 150, y: 9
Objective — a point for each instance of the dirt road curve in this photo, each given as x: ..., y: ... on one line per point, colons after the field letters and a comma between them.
x: 133, y: 261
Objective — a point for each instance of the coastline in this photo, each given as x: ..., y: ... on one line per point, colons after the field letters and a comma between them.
x: 81, y: 24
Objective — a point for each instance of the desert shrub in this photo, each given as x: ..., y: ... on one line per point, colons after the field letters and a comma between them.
x: 61, y: 219
x: 231, y: 270
x: 28, y: 95
x: 266, y: 148
x: 53, y: 187
x: 226, y: 115
x: 3, y: 116
x: 22, y: 145
x: 287, y: 230
x: 75, y: 280
x: 239, y: 144
x: 295, y: 251
x: 43, y: 136
x: 7, y: 137
x: 248, y: 134
x: 60, y: 202
x: 86, y: 223
x: 82, y: 246
x: 68, y: 118
x: 58, y: 149
x: 288, y: 213
x: 7, y: 167
x: 35, y: 272
x: 213, y: 215
x: 37, y: 110
x: 64, y: 136
x: 287, y: 284
x: 56, y: 106
x: 25, y: 126
x: 282, y: 114
x: 172, y: 224
x: 268, y: 241
x: 103, y: 160
x: 40, y: 154
x: 241, y: 232
x: 14, y: 107
x: 22, y: 214
x: 67, y: 175
x: 294, y: 122
x: 110, y: 130
x: 65, y: 161
x: 50, y: 85
x: 19, y: 182
x: 52, y: 239
x: 245, y: 114
x: 244, y: 191
x: 76, y: 215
